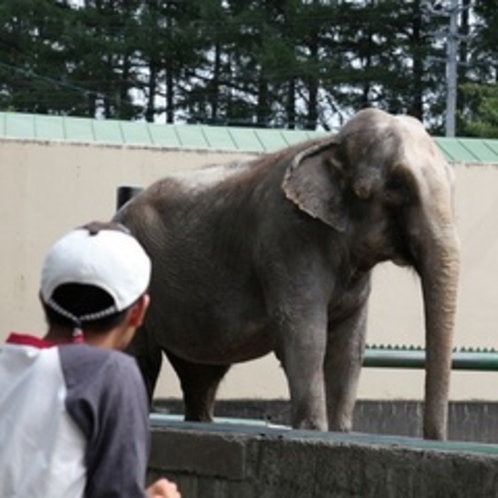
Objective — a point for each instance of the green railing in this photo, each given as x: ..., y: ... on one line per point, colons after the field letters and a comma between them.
x: 414, y: 357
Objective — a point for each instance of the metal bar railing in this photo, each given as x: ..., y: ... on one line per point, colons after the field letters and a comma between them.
x: 412, y: 357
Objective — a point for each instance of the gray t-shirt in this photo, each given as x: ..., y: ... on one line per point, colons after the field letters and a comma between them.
x: 74, y: 421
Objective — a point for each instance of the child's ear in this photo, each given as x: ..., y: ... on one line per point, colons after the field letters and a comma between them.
x: 138, y: 310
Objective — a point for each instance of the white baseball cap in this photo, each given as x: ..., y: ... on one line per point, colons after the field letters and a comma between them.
x: 109, y: 259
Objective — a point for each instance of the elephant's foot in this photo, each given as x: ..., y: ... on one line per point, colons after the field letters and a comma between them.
x: 309, y: 417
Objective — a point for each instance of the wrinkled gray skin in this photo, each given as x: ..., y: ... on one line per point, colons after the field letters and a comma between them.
x: 275, y: 254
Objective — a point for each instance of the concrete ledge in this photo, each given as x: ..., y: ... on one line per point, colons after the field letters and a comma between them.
x: 473, y: 421
x: 212, y: 455
x: 227, y: 461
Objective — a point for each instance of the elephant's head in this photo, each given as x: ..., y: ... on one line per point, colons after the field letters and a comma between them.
x: 383, y: 184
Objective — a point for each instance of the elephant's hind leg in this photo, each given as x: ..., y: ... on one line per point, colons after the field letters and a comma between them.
x: 149, y: 358
x: 199, y: 384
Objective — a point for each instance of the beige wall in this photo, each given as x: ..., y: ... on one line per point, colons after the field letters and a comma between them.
x: 50, y: 187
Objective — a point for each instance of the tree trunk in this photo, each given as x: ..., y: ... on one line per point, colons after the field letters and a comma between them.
x: 291, y: 104
x: 417, y: 104
x: 151, y: 92
x: 262, y: 106
x: 214, y: 85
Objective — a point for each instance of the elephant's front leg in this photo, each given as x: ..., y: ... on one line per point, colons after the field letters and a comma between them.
x: 301, y: 349
x: 342, y: 368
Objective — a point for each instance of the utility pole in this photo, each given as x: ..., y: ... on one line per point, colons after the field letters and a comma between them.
x: 450, y: 9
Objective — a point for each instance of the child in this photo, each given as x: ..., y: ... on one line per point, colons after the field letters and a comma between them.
x: 73, y: 407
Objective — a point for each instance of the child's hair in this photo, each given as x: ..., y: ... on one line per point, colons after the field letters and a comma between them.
x: 81, y: 300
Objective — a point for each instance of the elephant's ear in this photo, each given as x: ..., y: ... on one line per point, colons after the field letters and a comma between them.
x: 312, y: 181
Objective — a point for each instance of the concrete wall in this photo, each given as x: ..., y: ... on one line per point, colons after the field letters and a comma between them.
x: 50, y: 187
x: 244, y: 462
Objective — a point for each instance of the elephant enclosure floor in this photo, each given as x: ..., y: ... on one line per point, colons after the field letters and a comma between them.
x: 475, y: 421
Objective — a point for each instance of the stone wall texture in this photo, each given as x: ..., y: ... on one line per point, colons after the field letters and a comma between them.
x: 225, y: 461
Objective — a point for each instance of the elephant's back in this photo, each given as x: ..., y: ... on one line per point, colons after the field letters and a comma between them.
x: 204, y: 230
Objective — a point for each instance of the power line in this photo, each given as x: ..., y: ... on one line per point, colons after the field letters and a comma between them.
x: 31, y: 74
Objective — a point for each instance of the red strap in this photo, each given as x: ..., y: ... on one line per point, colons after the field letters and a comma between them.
x: 28, y: 340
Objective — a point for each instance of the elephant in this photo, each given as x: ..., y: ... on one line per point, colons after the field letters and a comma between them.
x: 275, y: 254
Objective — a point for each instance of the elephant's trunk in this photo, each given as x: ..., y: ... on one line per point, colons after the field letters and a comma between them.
x: 439, y: 271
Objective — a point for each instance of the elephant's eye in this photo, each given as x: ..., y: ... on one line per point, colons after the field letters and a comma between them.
x: 397, y: 191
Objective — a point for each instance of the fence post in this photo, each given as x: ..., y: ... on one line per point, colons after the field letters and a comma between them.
x: 125, y: 193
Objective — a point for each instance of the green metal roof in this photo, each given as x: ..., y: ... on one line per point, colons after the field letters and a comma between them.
x: 201, y: 137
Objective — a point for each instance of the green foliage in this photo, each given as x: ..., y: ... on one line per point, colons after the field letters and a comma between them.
x: 286, y: 63
x: 483, y: 122
x: 29, y: 46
